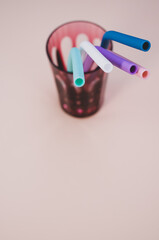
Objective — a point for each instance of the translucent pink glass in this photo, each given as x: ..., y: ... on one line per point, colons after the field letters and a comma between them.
x: 86, y: 100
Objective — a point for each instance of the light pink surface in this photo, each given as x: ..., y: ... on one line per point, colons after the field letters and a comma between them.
x: 64, y: 178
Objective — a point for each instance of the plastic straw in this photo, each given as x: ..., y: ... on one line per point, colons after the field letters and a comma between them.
x: 142, y: 72
x: 117, y: 60
x: 75, y: 65
x: 128, y: 40
x: 98, y: 58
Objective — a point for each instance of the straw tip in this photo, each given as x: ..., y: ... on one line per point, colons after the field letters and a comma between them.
x: 146, y: 46
x: 108, y: 67
x: 79, y: 82
x: 145, y: 74
x: 133, y: 69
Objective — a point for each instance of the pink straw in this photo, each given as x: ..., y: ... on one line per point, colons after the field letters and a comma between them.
x: 142, y: 72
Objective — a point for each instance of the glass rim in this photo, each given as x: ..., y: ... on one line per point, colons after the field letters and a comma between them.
x: 47, y: 42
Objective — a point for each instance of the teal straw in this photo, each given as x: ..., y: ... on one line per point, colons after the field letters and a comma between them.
x: 75, y: 65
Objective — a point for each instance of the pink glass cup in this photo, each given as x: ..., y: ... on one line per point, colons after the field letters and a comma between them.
x: 77, y: 101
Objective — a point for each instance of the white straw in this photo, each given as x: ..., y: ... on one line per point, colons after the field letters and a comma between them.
x: 97, y: 57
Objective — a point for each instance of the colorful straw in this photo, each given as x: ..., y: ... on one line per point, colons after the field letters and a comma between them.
x: 117, y: 60
x: 128, y: 40
x: 75, y: 65
x: 142, y: 72
x: 98, y: 58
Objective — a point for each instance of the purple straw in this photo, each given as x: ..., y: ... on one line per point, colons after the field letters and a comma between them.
x: 115, y: 59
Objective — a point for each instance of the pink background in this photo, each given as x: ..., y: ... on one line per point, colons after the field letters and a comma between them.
x: 65, y: 178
